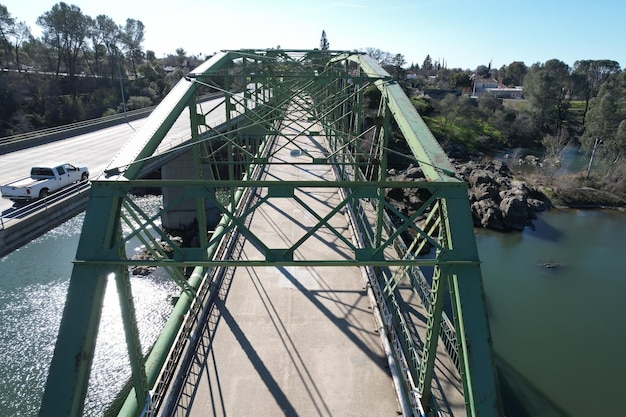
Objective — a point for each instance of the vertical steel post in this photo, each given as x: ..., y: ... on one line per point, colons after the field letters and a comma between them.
x: 133, y: 343
x: 66, y: 386
x: 482, y: 396
x: 433, y: 324
x: 197, y: 171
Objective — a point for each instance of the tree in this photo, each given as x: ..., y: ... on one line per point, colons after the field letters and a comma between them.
x: 454, y: 109
x: 427, y: 65
x: 398, y: 62
x: 132, y: 38
x: 619, y: 143
x: 7, y: 24
x: 378, y: 55
x: 604, y: 117
x: 483, y: 71
x: 554, y: 148
x: 547, y: 88
x: 21, y: 32
x: 65, y: 29
x: 488, y: 104
x: 589, y: 75
x: 460, y: 80
x: 324, y: 45
x: 514, y: 73
x: 105, y: 40
x: 181, y: 55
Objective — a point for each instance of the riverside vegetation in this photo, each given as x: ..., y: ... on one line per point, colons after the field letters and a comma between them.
x: 567, y: 113
x: 83, y: 67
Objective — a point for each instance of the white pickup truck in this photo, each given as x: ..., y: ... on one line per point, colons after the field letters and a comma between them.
x: 43, y: 181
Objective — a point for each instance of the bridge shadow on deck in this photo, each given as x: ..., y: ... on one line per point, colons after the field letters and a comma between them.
x: 305, y: 229
x: 205, y: 362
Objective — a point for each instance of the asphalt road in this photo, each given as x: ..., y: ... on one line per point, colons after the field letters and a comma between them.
x: 94, y: 150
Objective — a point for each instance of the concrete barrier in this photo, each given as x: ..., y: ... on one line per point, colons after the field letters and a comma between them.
x: 17, y: 231
x: 41, y: 137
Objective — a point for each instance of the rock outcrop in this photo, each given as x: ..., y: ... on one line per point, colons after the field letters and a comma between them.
x: 497, y: 201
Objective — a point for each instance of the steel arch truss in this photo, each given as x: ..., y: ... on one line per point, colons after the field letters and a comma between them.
x: 275, y: 99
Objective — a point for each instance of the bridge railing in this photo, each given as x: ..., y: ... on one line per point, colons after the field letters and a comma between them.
x: 12, y: 216
x: 402, y: 341
x: 40, y: 137
x: 414, y: 274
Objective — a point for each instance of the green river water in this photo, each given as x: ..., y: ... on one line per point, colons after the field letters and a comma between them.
x: 558, y: 332
x: 560, y: 328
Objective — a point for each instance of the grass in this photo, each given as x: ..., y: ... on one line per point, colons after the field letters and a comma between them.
x: 470, y: 133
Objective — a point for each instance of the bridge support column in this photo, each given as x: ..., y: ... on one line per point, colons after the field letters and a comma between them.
x: 184, y: 212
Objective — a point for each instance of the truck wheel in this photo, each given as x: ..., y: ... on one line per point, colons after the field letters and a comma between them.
x: 84, y: 177
x: 43, y: 193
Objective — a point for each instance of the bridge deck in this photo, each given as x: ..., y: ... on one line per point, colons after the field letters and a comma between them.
x: 293, y: 341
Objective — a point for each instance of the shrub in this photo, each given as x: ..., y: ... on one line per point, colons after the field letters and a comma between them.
x: 138, y: 102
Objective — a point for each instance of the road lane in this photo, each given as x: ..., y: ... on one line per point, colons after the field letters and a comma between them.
x: 94, y: 150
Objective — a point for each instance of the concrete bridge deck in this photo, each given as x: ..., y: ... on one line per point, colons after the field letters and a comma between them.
x: 297, y: 341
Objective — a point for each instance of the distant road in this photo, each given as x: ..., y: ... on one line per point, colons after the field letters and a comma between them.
x: 95, y: 150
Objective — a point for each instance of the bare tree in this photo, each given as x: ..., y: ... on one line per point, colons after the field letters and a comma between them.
x: 554, y: 149
x: 21, y: 32
x: 382, y: 57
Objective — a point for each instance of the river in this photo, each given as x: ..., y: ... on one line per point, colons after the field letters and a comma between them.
x: 33, y: 287
x: 555, y: 303
x: 554, y: 298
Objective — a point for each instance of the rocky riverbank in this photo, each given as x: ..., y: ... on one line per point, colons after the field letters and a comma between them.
x: 497, y: 200
x: 500, y: 201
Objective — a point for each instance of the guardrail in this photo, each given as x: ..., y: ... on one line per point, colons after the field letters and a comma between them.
x: 16, y: 215
x: 39, y: 137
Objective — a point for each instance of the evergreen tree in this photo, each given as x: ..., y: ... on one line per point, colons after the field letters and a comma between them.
x: 547, y: 89
x: 7, y: 24
x: 324, y: 45
x: 428, y: 64
x: 603, y: 121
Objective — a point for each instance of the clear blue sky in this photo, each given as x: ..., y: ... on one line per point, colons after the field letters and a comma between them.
x: 463, y: 33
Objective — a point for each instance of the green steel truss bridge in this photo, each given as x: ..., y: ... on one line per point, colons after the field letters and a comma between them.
x: 272, y: 99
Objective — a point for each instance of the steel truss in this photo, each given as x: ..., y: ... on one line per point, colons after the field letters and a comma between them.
x: 267, y: 94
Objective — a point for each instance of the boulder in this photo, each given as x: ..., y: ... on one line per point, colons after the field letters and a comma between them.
x: 514, y: 212
x: 484, y: 192
x: 497, y: 201
x: 487, y: 214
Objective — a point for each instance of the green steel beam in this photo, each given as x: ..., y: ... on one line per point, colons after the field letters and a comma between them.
x: 129, y: 318
x: 133, y: 155
x: 326, y: 86
x: 431, y: 157
x: 66, y: 385
x: 478, y: 370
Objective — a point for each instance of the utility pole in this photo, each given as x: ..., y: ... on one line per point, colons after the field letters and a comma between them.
x: 119, y: 72
x: 595, y: 145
